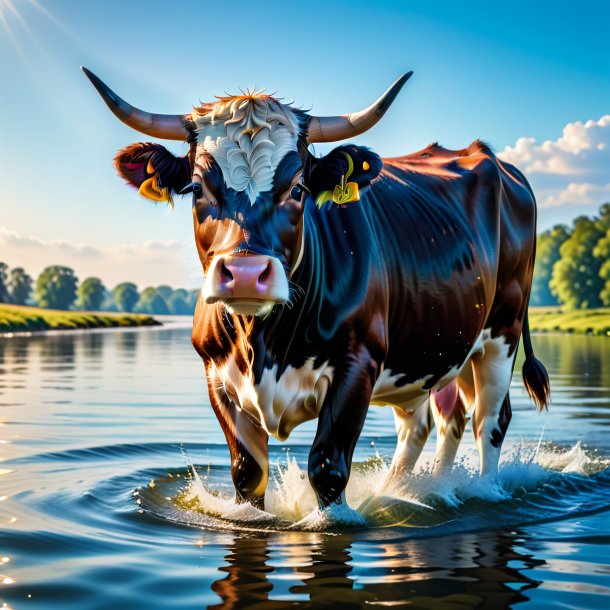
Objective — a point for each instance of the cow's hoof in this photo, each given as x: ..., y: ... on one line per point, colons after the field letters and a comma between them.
x: 328, y: 483
x: 258, y: 503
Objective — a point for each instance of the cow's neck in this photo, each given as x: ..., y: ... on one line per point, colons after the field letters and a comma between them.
x: 332, y: 281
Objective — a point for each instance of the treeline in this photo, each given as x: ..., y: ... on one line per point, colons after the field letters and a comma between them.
x: 58, y: 287
x: 573, y: 264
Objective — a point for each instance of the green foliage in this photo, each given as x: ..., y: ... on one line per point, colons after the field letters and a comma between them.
x: 547, y: 254
x: 158, y: 305
x: 178, y: 305
x: 126, y: 296
x: 580, y: 321
x: 91, y: 294
x: 56, y: 287
x: 576, y: 276
x: 193, y: 296
x: 163, y: 301
x: 14, y: 318
x: 602, y: 252
x: 165, y: 291
x: 4, y: 296
x: 20, y: 285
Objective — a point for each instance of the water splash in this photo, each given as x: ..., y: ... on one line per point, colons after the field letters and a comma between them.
x: 535, y: 482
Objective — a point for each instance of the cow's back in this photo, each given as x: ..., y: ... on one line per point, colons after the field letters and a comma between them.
x: 454, y: 232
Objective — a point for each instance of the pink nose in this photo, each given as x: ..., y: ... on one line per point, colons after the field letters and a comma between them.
x: 246, y: 281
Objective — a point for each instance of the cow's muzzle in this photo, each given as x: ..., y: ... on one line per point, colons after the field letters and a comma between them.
x: 249, y: 284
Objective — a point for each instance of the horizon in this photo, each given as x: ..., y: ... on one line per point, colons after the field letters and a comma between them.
x: 534, y: 85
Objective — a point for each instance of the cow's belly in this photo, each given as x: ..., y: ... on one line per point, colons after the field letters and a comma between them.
x: 390, y: 389
x: 280, y: 404
x: 297, y: 396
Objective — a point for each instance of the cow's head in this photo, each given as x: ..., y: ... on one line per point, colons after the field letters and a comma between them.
x: 247, y: 170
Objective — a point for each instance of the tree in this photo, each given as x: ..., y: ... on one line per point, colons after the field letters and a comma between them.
x: 56, y: 287
x: 158, y: 305
x: 178, y: 306
x: 576, y: 275
x: 4, y: 296
x: 152, y: 301
x: 21, y: 286
x: 547, y: 254
x: 181, y: 292
x: 193, y: 296
x: 602, y: 252
x: 91, y: 294
x: 165, y: 291
x: 126, y: 296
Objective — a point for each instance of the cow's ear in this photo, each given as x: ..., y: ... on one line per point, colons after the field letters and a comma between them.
x: 341, y: 174
x: 367, y: 164
x: 153, y: 170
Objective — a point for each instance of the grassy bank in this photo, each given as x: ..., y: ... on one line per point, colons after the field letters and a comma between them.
x: 581, y: 321
x: 19, y: 318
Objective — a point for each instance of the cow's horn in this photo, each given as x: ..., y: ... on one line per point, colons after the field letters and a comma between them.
x: 164, y: 126
x: 333, y: 128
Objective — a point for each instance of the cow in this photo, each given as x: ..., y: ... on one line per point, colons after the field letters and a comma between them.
x: 332, y: 283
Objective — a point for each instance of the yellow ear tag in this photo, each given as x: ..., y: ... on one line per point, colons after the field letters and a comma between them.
x: 150, y: 189
x: 366, y: 166
x: 343, y: 193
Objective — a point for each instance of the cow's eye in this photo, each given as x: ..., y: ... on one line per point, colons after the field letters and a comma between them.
x: 296, y: 192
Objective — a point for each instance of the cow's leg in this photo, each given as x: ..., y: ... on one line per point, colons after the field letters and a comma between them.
x: 412, y: 431
x: 492, y: 413
x: 449, y: 413
x: 247, y: 442
x: 339, y: 425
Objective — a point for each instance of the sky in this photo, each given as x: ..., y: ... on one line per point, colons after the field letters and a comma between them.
x: 530, y: 78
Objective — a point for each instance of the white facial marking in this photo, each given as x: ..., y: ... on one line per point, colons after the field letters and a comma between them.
x: 247, y: 136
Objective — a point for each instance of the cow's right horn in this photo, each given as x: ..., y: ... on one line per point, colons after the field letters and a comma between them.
x: 334, y: 128
x: 163, y: 126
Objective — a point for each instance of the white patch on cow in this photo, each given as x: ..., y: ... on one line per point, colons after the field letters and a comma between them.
x: 247, y: 136
x: 279, y: 404
x: 492, y: 376
x: 409, y: 397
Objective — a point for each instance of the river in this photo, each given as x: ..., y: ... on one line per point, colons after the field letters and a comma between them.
x: 115, y: 493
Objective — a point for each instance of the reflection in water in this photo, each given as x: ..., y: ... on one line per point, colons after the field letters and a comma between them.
x: 85, y: 419
x: 272, y: 571
x: 92, y: 345
x: 127, y: 344
x: 579, y: 358
x: 58, y: 352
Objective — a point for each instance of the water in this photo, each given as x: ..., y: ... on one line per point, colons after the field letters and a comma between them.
x: 115, y: 493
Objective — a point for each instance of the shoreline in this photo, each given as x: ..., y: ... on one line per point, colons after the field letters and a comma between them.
x: 594, y: 322
x: 23, y: 320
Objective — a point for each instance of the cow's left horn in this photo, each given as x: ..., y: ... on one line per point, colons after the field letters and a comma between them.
x: 333, y: 128
x: 164, y: 126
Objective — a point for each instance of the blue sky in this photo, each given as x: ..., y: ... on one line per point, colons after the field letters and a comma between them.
x: 514, y: 75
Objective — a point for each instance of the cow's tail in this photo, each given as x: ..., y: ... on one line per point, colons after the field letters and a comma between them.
x: 535, y: 377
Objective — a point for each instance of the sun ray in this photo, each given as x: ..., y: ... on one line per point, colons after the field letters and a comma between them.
x: 50, y: 16
x: 7, y: 28
x: 11, y: 13
x: 13, y: 9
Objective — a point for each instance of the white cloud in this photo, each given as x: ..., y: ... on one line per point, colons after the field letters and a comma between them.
x: 578, y: 193
x: 145, y: 264
x: 574, y: 169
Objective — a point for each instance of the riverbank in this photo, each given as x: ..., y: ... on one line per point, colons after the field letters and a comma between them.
x: 581, y: 321
x: 21, y: 318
